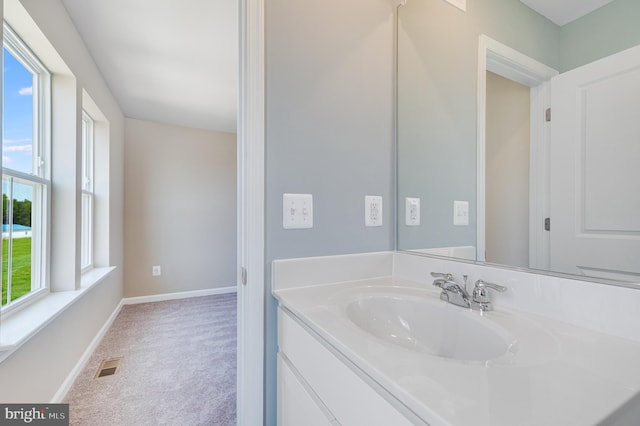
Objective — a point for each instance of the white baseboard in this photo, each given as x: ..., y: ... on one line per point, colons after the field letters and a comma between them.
x: 68, y: 382
x: 179, y: 295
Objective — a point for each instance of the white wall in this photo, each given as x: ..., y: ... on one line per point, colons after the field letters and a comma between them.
x: 36, y: 370
x: 180, y: 208
x: 330, y: 131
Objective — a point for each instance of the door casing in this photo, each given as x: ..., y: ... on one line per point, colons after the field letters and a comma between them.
x: 509, y: 63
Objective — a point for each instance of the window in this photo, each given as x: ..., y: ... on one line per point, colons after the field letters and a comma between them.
x: 25, y: 176
x: 86, y: 245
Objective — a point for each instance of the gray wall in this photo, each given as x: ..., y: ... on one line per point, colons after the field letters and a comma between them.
x: 437, y: 73
x: 180, y: 208
x: 330, y: 95
x: 608, y: 30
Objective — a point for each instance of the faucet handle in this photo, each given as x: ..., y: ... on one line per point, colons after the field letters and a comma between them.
x: 480, y: 296
x: 496, y: 287
x: 447, y: 277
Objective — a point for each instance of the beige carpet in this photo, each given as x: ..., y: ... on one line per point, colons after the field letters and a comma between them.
x: 178, y: 367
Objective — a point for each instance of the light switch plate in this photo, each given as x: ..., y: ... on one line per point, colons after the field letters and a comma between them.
x: 412, y: 211
x: 297, y: 211
x: 372, y: 210
x: 461, y: 213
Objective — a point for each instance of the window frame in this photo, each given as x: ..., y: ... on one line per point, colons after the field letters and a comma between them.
x: 88, y: 192
x: 40, y: 177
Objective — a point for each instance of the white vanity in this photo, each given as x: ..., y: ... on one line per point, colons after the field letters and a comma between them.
x: 366, y: 340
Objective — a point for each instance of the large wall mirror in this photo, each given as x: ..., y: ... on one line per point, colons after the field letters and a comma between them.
x: 519, y: 135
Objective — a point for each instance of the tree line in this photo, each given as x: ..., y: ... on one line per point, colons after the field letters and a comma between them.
x: 21, y: 211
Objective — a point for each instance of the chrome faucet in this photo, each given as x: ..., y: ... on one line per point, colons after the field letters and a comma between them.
x: 456, y: 294
x: 480, y: 298
x: 452, y: 292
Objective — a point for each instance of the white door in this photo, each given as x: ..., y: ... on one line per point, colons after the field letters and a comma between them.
x: 595, y: 168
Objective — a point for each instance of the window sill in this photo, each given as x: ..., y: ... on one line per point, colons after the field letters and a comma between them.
x: 20, y: 326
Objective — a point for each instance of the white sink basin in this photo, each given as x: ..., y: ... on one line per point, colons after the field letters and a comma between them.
x: 432, y: 327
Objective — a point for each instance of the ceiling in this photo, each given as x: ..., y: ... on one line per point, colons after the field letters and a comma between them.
x: 562, y: 12
x: 173, y: 62
x: 176, y: 62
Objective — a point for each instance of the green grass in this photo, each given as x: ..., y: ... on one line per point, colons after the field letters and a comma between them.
x: 20, y: 268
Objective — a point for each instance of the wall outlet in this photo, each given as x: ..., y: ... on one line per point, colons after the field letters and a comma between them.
x: 156, y: 271
x: 373, y: 210
x: 461, y: 213
x: 297, y: 211
x: 412, y: 211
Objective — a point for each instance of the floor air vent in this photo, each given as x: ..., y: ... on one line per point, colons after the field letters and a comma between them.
x: 108, y: 367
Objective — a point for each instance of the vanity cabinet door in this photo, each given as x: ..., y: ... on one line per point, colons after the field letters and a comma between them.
x: 297, y: 403
x: 353, y: 401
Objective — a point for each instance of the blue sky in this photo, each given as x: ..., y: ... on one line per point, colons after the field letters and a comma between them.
x: 17, y: 115
x: 17, y: 126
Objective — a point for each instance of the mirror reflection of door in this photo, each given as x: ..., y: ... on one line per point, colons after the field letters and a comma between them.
x: 594, y: 156
x: 507, y: 171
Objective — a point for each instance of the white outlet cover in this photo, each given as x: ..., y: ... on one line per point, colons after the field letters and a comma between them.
x: 373, y: 210
x: 297, y: 211
x: 461, y: 213
x: 412, y: 211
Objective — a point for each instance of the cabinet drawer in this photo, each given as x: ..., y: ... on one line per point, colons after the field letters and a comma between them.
x: 345, y: 394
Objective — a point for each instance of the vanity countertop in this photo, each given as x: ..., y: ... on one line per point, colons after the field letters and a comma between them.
x: 556, y: 374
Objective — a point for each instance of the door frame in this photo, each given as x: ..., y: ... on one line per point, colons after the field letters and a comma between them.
x: 250, y: 216
x: 509, y: 63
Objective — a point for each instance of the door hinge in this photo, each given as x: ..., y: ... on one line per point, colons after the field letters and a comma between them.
x: 243, y: 272
x: 547, y: 114
x: 547, y: 224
